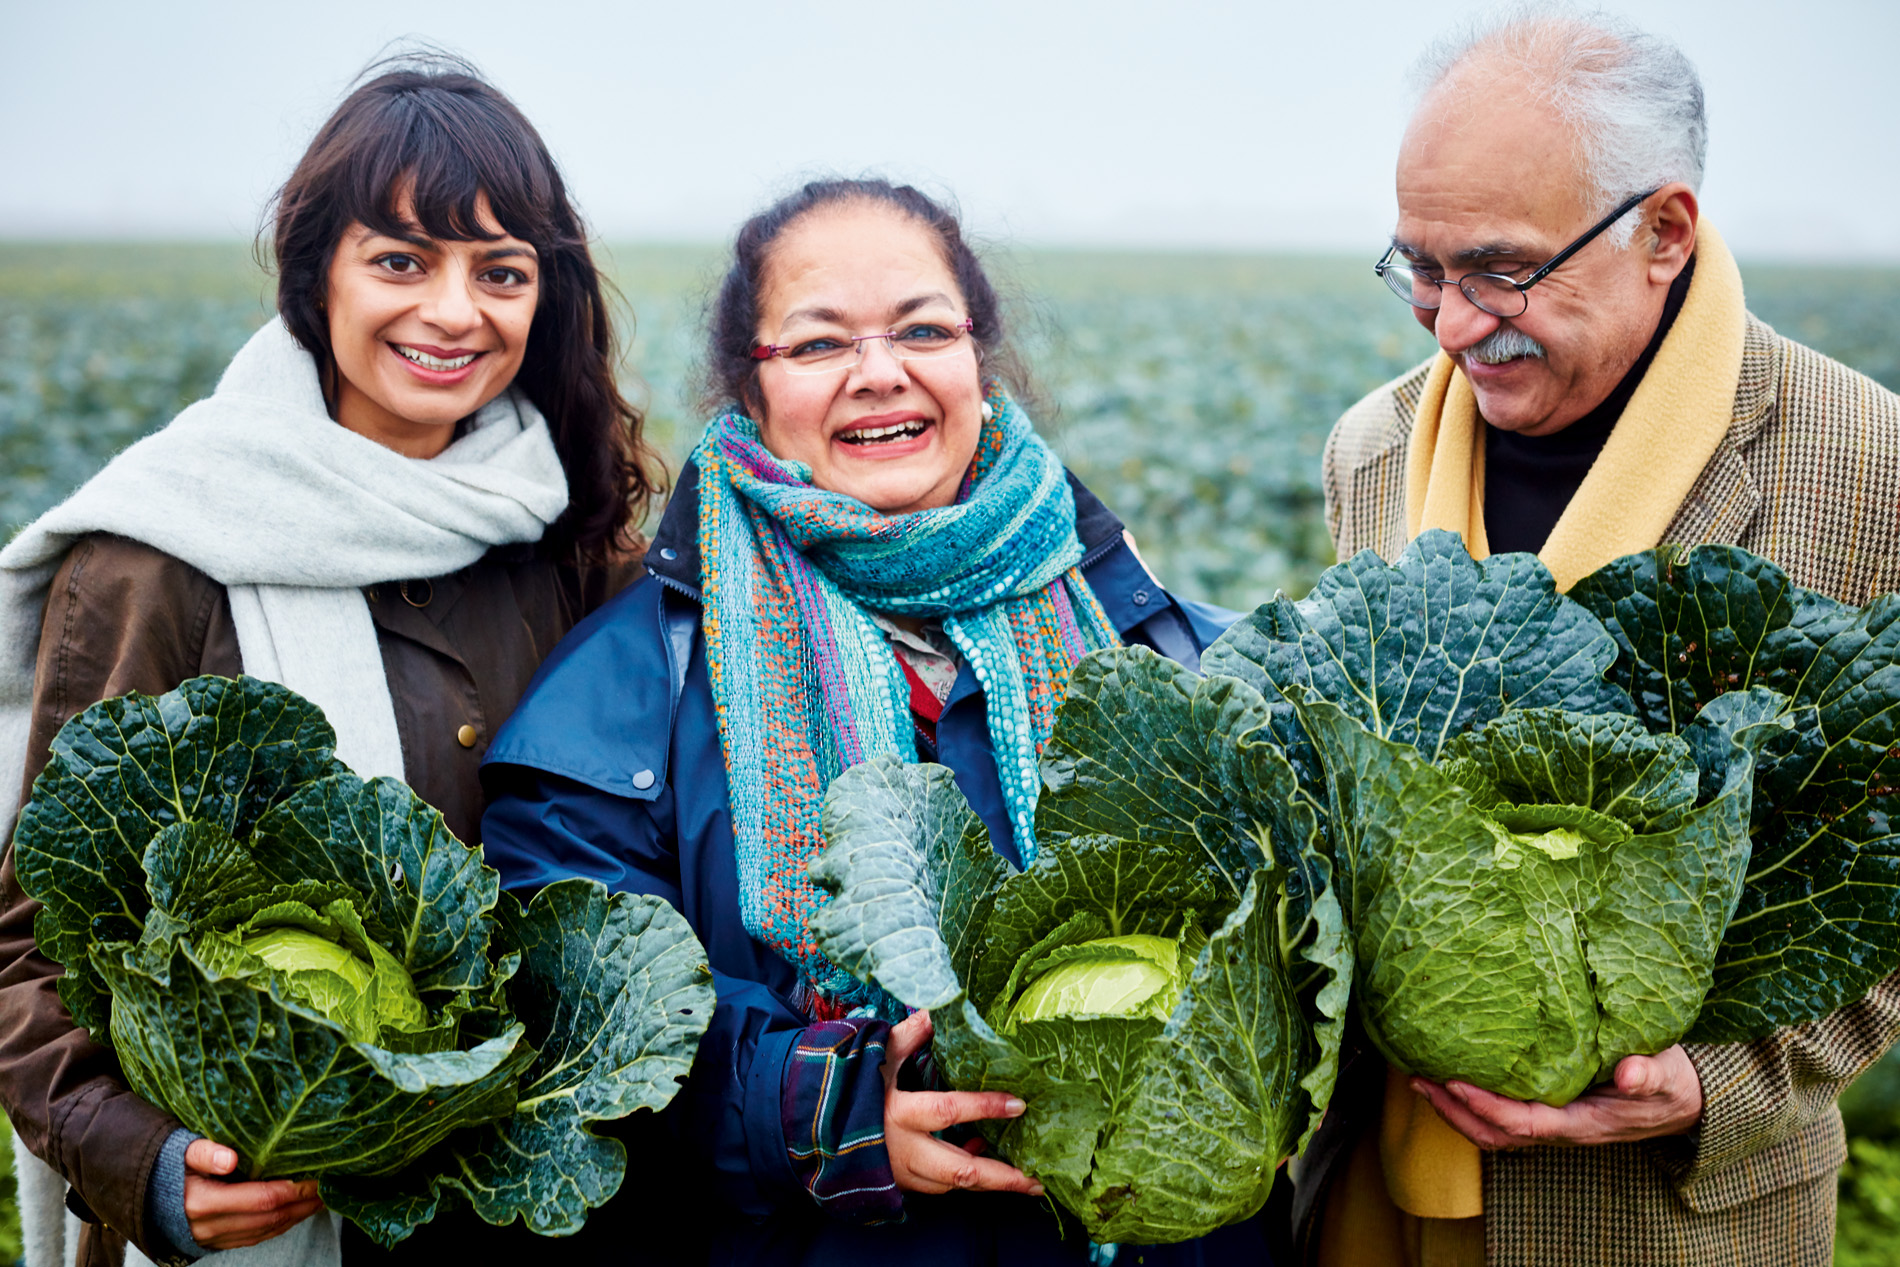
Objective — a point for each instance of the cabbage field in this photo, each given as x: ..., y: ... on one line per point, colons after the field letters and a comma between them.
x: 1192, y: 392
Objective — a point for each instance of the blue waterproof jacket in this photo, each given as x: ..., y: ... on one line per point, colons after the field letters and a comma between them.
x: 612, y: 768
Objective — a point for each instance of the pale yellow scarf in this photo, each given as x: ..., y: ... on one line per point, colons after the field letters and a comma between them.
x: 1667, y: 434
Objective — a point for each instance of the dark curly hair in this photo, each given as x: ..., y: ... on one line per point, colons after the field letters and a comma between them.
x: 427, y: 128
x: 731, y: 373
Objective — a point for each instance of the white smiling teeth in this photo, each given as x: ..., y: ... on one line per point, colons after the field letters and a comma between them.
x: 428, y: 362
x: 870, y: 434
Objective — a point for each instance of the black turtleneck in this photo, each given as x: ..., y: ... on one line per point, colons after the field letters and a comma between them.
x: 1528, y: 480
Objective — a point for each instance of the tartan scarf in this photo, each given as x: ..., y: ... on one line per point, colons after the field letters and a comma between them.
x: 806, y: 686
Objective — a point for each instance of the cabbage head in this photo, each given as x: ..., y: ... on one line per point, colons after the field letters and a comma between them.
x: 1162, y: 985
x: 310, y: 968
x: 1567, y: 829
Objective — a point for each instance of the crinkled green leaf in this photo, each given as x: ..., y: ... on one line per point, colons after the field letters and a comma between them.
x: 192, y: 869
x: 1494, y: 958
x: 1202, y: 1132
x: 1129, y: 886
x: 287, y: 1088
x: 1144, y: 751
x: 421, y: 892
x: 1427, y: 647
x: 1607, y: 763
x: 1819, y: 919
x: 216, y: 751
x: 1134, y: 975
x: 1055, y: 1138
x: 1149, y: 825
x: 911, y: 848
x: 616, y: 992
x: 1694, y: 624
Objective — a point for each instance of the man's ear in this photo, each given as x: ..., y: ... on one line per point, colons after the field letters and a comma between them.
x: 1672, y: 233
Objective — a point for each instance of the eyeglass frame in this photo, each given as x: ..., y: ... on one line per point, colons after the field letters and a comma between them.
x: 766, y: 351
x: 1522, y: 288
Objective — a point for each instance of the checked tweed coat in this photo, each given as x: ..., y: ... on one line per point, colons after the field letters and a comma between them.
x: 1808, y: 476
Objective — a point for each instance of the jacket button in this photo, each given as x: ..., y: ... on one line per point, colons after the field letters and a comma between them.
x: 1140, y: 597
x: 643, y: 780
x: 465, y: 736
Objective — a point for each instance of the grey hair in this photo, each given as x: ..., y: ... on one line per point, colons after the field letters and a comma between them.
x: 1633, y: 99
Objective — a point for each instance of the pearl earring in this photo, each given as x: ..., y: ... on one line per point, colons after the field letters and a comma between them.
x: 988, y: 412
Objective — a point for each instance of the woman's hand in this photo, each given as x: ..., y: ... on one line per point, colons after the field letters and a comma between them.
x: 921, y: 1163
x: 232, y: 1215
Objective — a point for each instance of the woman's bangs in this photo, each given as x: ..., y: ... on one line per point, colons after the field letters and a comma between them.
x: 442, y: 163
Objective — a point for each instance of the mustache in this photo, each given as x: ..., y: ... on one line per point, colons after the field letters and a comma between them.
x: 1504, y: 344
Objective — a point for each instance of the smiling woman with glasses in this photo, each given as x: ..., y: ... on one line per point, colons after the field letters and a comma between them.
x: 871, y: 553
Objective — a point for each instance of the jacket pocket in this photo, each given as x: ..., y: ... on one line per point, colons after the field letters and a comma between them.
x: 1817, y: 1150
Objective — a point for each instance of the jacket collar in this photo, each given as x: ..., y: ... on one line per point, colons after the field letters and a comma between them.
x: 1726, y: 498
x: 674, y: 554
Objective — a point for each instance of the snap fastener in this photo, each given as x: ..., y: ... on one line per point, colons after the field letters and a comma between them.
x: 1141, y: 598
x: 428, y: 593
x: 669, y: 553
x: 465, y: 736
x: 643, y: 780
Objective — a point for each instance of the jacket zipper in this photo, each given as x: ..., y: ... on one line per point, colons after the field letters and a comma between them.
x: 678, y: 587
x: 1101, y: 551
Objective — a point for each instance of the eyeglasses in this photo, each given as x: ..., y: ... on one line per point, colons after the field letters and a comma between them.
x: 827, y: 352
x: 1495, y: 293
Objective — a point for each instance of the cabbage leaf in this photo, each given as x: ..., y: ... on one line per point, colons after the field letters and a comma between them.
x: 312, y: 969
x: 1819, y: 920
x: 1463, y: 723
x: 1167, y: 841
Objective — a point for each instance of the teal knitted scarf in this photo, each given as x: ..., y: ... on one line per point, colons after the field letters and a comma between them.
x: 806, y: 686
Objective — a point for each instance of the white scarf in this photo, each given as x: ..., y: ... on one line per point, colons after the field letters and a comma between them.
x: 259, y: 489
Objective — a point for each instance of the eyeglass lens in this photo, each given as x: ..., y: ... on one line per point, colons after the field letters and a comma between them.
x: 913, y: 343
x: 1494, y: 293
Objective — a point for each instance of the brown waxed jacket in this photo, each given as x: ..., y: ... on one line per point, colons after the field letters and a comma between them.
x: 458, y: 651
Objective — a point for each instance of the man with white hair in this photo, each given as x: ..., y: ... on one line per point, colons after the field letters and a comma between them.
x: 1600, y: 389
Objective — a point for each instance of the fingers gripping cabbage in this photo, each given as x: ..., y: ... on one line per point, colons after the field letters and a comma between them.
x: 1162, y: 985
x: 312, y: 969
x: 1571, y: 828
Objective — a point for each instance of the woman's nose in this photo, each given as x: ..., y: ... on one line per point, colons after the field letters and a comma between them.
x: 448, y: 304
x: 878, y: 369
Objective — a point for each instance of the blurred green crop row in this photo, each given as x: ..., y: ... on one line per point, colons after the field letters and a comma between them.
x: 1192, y: 392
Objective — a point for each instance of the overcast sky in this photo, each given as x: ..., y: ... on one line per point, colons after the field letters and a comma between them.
x: 1194, y: 123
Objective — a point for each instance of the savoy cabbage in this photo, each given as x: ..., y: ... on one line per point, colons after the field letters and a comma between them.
x: 312, y: 969
x: 1163, y: 984
x: 1568, y: 829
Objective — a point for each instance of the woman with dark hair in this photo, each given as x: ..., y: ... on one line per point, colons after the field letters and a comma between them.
x: 870, y: 552
x: 401, y: 495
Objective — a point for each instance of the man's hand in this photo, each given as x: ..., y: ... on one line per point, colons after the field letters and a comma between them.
x: 232, y: 1215
x: 1650, y: 1096
x: 921, y: 1163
